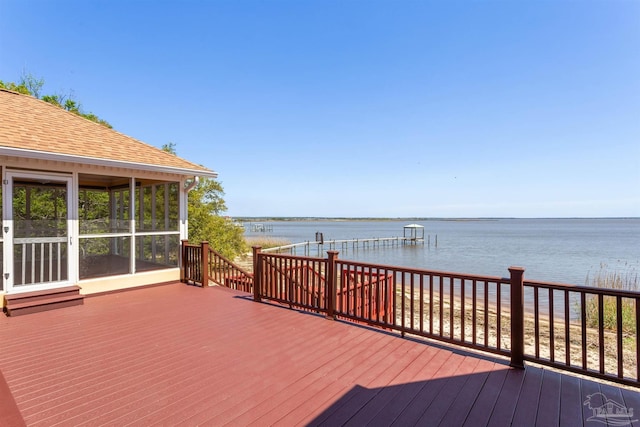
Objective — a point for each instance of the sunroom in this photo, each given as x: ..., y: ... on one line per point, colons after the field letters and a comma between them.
x: 85, y: 205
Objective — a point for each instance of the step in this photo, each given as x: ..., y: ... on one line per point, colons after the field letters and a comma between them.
x: 33, y: 302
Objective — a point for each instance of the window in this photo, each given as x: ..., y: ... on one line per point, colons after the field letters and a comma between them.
x: 110, y: 243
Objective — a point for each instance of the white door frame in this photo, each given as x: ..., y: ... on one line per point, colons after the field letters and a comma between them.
x: 8, y: 228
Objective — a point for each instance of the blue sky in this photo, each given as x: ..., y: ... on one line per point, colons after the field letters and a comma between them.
x: 361, y: 108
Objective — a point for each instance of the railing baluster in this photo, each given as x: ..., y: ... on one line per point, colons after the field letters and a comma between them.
x: 310, y: 284
x: 451, y: 307
x: 362, y: 292
x: 51, y: 261
x: 431, y: 304
x: 636, y: 333
x: 486, y: 313
x: 462, y: 308
x: 402, y: 304
x: 583, y: 327
x: 552, y: 329
x: 567, y: 326
x: 295, y: 266
x: 59, y: 261
x: 374, y: 281
x: 412, y: 308
x: 441, y: 308
x: 349, y: 290
x: 474, y: 314
x: 536, y: 321
x: 601, y: 331
x: 499, y: 315
x: 619, y: 336
x: 33, y: 263
x: 41, y: 279
x: 422, y: 303
x: 379, y: 291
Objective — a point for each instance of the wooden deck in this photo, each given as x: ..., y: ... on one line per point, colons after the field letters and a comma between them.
x: 182, y: 355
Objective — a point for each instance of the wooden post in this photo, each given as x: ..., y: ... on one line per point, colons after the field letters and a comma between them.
x: 257, y: 274
x: 183, y: 260
x: 517, y: 317
x: 331, y: 284
x: 204, y: 246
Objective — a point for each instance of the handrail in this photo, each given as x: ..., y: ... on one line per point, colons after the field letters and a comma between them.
x: 562, y: 328
x: 508, y: 316
x: 194, y: 258
x: 434, y: 304
x: 582, y: 288
x: 296, y: 281
x: 202, y: 265
x: 226, y: 273
x: 548, y: 323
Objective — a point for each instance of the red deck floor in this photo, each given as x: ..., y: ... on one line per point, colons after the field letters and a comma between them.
x: 181, y: 355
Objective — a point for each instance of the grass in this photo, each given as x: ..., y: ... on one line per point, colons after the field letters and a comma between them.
x: 266, y: 242
x: 605, y: 279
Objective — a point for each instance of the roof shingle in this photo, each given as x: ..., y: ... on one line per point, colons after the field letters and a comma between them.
x: 27, y: 123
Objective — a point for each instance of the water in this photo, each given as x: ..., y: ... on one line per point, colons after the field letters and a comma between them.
x: 551, y: 250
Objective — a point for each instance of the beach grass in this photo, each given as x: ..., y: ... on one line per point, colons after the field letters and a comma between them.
x: 266, y: 242
x: 605, y: 279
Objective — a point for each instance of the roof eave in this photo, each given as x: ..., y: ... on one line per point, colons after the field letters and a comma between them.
x: 70, y: 158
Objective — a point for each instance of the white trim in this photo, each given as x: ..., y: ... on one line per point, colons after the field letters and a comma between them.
x: 157, y: 233
x: 8, y: 256
x: 13, y: 165
x: 128, y: 281
x: 70, y: 158
x: 132, y: 235
x: 37, y: 287
x: 74, y: 250
x: 132, y: 225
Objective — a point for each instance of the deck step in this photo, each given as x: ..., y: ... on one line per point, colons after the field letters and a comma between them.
x: 34, y: 302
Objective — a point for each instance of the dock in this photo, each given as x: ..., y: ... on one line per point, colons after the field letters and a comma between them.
x: 257, y: 227
x: 313, y: 248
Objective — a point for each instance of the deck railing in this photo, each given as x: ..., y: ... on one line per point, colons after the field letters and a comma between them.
x: 202, y: 265
x: 558, y: 325
x: 566, y: 327
x: 295, y: 281
x: 461, y: 309
x: 195, y: 261
x: 225, y: 273
x: 40, y: 260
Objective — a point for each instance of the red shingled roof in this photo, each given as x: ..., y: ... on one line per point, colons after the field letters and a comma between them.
x: 32, y: 125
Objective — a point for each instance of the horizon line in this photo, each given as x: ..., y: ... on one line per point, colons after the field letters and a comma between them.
x: 419, y: 218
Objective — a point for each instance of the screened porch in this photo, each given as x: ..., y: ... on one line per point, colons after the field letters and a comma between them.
x: 123, y: 226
